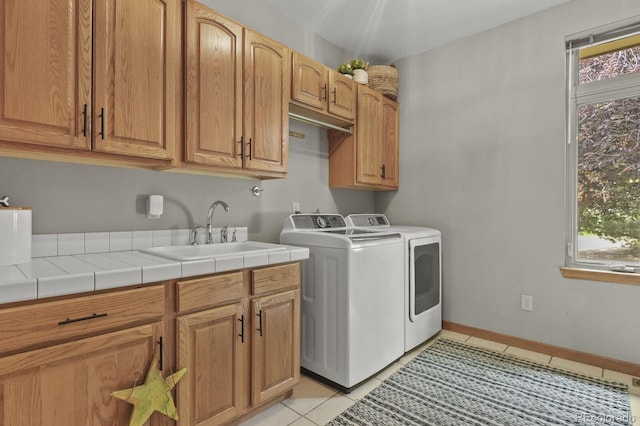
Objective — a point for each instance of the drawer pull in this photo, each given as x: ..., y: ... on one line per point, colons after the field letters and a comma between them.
x: 90, y: 317
x: 241, y: 329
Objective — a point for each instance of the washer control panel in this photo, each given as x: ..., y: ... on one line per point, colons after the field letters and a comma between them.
x: 367, y: 220
x: 318, y: 221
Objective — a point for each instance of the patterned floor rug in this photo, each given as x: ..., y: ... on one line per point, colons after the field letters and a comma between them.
x: 452, y: 383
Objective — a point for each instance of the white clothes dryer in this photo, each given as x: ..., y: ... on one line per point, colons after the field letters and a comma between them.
x: 422, y: 275
x: 352, y: 315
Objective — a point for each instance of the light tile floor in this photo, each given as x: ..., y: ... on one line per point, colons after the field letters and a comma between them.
x: 315, y: 404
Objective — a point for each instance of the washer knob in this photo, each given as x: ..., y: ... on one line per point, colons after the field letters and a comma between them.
x: 371, y: 221
x: 322, y: 223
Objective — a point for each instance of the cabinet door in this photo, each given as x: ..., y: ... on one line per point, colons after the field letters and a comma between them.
x: 275, y: 345
x: 70, y: 384
x: 342, y: 96
x: 309, y: 84
x: 369, y: 136
x: 267, y: 78
x: 45, y: 72
x: 213, y: 88
x: 211, y: 344
x: 136, y: 63
x: 390, y: 139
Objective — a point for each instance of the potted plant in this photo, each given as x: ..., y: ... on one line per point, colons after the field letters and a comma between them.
x: 346, y: 70
x: 359, y: 67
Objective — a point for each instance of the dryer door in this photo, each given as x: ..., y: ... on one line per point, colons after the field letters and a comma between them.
x: 424, y: 276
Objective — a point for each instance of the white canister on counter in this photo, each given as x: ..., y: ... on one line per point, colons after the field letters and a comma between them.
x: 15, y: 235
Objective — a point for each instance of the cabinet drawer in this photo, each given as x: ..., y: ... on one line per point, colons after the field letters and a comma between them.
x: 275, y: 278
x: 210, y: 291
x: 36, y: 325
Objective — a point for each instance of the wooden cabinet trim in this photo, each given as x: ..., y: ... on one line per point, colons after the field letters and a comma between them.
x: 275, y: 278
x: 207, y: 292
x: 34, y: 325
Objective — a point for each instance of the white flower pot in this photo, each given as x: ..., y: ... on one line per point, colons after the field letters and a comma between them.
x: 361, y: 76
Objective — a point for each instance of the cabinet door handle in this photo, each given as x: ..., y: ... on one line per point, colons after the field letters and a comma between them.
x: 259, y: 315
x: 249, y: 156
x: 241, y: 319
x: 335, y: 95
x: 384, y: 172
x: 324, y: 92
x: 102, y: 123
x: 241, y: 142
x: 84, y: 120
x: 161, y: 349
x: 90, y: 317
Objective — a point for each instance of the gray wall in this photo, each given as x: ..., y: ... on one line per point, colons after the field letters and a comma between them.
x: 482, y: 158
x: 78, y: 198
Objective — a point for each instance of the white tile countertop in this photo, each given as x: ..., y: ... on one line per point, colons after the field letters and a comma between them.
x: 65, y: 264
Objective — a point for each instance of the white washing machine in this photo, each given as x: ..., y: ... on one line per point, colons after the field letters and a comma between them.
x: 352, y: 323
x: 422, y: 275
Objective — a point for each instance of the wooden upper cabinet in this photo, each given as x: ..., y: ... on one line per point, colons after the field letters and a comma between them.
x: 91, y: 75
x: 369, y: 157
x: 320, y: 89
x: 213, y: 119
x: 135, y: 69
x: 310, y: 81
x: 342, y: 95
x: 236, y: 97
x: 391, y: 141
x: 45, y: 72
x: 267, y: 80
x: 369, y: 138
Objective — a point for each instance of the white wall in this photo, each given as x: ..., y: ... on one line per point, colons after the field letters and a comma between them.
x: 482, y: 128
x: 77, y: 198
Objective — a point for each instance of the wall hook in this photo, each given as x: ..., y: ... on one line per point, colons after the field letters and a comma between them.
x: 256, y: 190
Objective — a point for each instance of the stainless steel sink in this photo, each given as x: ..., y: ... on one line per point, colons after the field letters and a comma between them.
x: 205, y: 251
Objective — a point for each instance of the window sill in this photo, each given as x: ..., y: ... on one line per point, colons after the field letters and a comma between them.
x: 604, y: 276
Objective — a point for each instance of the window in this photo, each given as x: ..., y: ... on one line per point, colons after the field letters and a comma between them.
x: 603, y: 151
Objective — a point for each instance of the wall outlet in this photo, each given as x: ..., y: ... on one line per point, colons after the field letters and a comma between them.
x: 635, y: 382
x: 295, y: 207
x: 526, y: 302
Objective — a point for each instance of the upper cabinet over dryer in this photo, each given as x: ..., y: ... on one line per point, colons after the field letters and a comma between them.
x: 237, y: 97
x: 82, y: 75
x: 321, y: 93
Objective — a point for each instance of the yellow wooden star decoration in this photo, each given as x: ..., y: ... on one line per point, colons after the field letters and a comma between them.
x: 153, y: 395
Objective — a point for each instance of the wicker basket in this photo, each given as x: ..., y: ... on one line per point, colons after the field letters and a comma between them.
x: 384, y: 79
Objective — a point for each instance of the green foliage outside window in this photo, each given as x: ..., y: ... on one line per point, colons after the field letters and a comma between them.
x: 609, y: 155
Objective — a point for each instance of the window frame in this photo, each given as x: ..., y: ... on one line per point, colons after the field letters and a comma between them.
x: 619, y: 87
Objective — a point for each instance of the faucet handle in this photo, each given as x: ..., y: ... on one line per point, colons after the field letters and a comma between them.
x: 194, y: 235
x: 224, y: 232
x: 233, y: 236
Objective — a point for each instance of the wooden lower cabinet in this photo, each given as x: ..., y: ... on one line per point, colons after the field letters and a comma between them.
x: 242, y: 354
x: 237, y: 333
x: 275, y: 361
x: 213, y: 346
x: 70, y: 384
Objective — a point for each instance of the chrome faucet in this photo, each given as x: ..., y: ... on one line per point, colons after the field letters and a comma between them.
x: 210, y: 218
